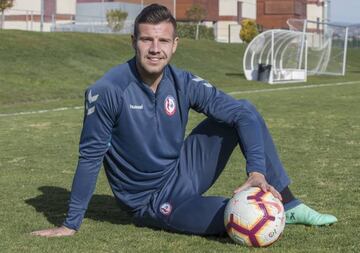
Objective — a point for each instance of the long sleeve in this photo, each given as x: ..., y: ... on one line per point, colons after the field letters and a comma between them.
x: 207, y: 99
x: 99, y: 119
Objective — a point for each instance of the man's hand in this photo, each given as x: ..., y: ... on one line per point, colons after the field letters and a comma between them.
x: 257, y: 179
x: 55, y: 232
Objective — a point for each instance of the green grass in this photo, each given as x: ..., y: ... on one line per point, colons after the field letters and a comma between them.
x: 317, y: 132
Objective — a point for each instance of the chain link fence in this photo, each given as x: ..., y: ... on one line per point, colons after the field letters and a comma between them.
x: 354, y: 36
x: 88, y: 17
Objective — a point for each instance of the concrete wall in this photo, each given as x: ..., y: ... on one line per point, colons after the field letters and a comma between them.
x: 66, y: 7
x: 249, y: 9
x: 315, y: 12
x: 228, y: 7
x: 221, y: 29
x: 26, y: 14
x: 62, y: 6
x: 21, y: 6
x: 96, y: 12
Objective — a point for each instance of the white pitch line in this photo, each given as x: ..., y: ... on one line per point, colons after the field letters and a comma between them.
x: 293, y: 88
x: 230, y: 93
x: 42, y: 111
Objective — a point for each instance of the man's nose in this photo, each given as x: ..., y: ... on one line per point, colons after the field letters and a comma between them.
x: 154, y: 48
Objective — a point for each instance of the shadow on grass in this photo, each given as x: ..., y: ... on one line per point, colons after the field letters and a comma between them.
x: 53, y: 203
x: 240, y: 74
x: 353, y: 71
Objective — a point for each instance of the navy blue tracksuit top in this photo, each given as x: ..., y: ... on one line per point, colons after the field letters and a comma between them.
x: 138, y: 134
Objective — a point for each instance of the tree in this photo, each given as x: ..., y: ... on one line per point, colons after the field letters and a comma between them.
x: 4, y: 4
x: 196, y: 13
x: 248, y: 30
x: 116, y: 19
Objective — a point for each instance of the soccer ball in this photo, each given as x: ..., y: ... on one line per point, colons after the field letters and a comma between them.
x: 254, y: 218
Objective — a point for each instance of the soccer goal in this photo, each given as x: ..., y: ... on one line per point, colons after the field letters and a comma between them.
x: 327, y: 46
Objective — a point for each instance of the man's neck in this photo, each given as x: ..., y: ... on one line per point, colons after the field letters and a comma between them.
x: 152, y: 81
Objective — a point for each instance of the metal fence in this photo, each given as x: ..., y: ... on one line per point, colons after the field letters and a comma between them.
x: 89, y: 17
x: 354, y: 36
x: 91, y: 27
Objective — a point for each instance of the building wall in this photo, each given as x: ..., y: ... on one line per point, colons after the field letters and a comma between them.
x: 66, y: 7
x: 228, y: 7
x: 315, y: 10
x: 95, y: 12
x: 168, y: 3
x: 21, y: 6
x: 26, y: 14
x: 274, y: 13
x: 62, y: 6
x: 211, y: 7
x: 248, y: 9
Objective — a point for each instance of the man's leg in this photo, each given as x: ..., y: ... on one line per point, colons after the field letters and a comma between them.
x: 296, y: 212
x: 203, y: 157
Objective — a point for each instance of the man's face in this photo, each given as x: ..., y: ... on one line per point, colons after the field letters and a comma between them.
x: 154, y: 48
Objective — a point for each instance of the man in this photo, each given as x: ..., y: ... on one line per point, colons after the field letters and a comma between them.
x: 134, y: 124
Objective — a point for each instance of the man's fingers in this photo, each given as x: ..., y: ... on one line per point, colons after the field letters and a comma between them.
x: 275, y: 193
x: 40, y: 232
x: 264, y: 187
x: 54, y: 232
x: 241, y: 188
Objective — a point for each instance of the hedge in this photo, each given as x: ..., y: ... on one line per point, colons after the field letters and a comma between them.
x: 187, y: 30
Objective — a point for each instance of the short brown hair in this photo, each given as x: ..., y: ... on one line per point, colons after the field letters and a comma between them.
x: 154, y: 14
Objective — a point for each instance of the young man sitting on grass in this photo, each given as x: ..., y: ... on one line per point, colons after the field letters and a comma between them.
x: 134, y: 125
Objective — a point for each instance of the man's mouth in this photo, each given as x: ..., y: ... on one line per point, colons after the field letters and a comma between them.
x: 154, y: 59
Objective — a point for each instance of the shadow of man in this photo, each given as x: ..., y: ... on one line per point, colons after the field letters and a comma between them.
x: 53, y: 203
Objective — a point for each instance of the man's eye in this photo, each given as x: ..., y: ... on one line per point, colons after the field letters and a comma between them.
x: 165, y: 41
x: 146, y: 39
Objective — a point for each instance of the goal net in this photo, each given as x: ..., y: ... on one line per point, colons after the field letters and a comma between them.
x: 327, y: 46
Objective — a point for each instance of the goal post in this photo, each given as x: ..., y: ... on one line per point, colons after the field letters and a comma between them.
x: 327, y: 46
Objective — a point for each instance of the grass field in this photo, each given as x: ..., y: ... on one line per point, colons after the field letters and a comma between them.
x: 317, y: 131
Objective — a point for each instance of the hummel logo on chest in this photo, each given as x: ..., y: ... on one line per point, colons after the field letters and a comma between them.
x: 136, y: 107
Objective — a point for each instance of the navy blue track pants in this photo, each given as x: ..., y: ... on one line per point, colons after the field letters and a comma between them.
x: 179, y: 206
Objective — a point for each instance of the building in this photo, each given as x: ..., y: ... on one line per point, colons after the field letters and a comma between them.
x: 273, y: 14
x: 223, y: 15
x: 315, y: 10
x: 37, y: 15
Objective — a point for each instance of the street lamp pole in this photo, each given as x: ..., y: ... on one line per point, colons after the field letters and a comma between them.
x: 327, y: 11
x: 42, y: 16
x: 174, y: 9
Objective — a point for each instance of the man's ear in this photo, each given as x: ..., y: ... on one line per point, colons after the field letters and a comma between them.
x: 176, y: 41
x: 133, y: 41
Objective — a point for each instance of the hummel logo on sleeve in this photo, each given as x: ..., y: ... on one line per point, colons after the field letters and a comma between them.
x: 91, y: 98
x: 91, y: 110
x: 199, y: 79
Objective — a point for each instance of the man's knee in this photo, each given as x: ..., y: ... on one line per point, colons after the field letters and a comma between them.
x: 244, y: 103
x: 248, y: 106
